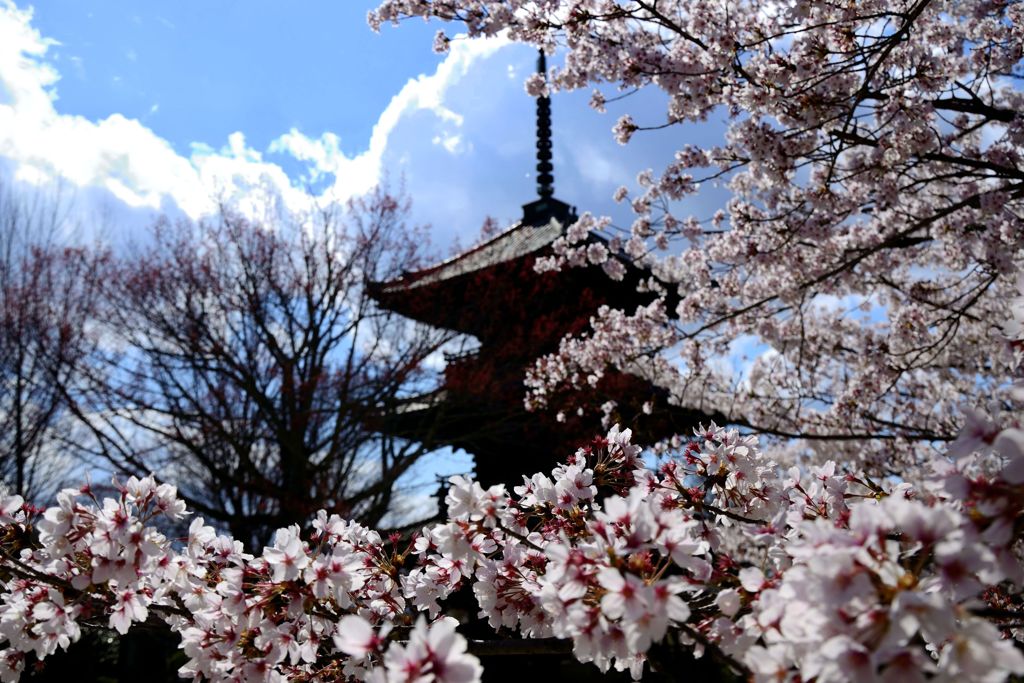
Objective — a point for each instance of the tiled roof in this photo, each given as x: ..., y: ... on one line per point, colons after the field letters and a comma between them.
x: 517, y: 241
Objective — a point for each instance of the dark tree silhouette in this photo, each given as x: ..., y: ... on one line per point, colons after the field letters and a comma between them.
x: 47, y: 304
x: 245, y: 363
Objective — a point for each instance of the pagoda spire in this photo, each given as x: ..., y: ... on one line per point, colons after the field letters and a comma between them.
x: 545, y: 178
x: 545, y: 208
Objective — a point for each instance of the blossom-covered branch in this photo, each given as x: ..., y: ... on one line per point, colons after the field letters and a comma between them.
x: 816, y: 573
x: 872, y: 153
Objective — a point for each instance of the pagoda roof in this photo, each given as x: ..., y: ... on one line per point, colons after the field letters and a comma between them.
x: 517, y: 241
x: 420, y: 402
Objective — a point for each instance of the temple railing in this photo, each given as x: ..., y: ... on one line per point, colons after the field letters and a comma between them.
x: 461, y: 356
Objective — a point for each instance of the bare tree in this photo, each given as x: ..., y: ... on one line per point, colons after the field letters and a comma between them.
x: 245, y: 363
x: 47, y: 297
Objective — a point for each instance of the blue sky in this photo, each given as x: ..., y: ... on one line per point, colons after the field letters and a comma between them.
x: 200, y: 71
x: 149, y: 108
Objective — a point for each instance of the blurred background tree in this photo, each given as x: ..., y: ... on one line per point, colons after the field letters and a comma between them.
x: 242, y: 361
x: 47, y: 300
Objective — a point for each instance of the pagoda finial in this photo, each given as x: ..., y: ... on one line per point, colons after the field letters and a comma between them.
x: 545, y: 208
x: 545, y: 179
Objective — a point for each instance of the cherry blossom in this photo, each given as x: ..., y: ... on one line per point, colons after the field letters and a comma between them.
x: 287, y: 558
x: 871, y: 244
x: 817, y: 572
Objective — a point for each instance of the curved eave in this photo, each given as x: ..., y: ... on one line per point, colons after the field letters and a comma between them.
x: 518, y: 241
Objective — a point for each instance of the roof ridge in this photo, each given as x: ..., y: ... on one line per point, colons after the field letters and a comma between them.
x: 413, y: 278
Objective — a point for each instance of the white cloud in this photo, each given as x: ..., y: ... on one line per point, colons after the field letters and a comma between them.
x: 23, y: 77
x: 138, y: 167
x: 355, y: 175
x: 322, y: 154
x: 116, y: 153
x: 450, y: 141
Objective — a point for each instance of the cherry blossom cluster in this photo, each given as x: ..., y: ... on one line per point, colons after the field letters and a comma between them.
x: 313, y: 609
x: 780, y: 574
x: 809, y: 573
x: 873, y: 158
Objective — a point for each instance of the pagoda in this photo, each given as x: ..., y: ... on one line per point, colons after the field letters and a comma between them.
x: 492, y: 293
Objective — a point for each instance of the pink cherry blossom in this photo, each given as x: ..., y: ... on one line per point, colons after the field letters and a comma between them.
x: 782, y: 573
x: 287, y: 557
